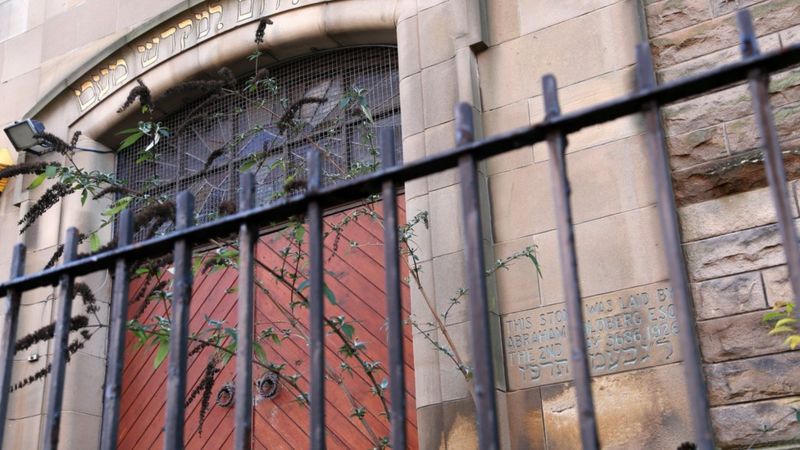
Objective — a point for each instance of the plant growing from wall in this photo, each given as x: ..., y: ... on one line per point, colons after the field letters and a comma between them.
x: 283, y: 285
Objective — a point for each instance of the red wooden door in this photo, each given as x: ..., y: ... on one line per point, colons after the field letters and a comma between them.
x: 355, y: 277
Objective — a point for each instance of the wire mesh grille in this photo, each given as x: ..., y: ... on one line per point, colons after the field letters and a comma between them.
x: 335, y: 103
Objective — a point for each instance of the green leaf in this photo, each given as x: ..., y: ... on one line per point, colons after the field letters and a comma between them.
x: 785, y: 321
x: 51, y: 171
x: 792, y: 341
x: 367, y: 113
x: 247, y: 165
x: 84, y: 196
x: 781, y: 329
x: 348, y: 330
x: 130, y: 140
x: 142, y: 271
x: 261, y: 355
x: 128, y: 131
x: 299, y: 232
x: 37, y: 181
x: 94, y: 242
x: 302, y: 286
x: 118, y: 206
x: 329, y: 294
x: 772, y: 315
x: 196, y: 266
x: 161, y: 354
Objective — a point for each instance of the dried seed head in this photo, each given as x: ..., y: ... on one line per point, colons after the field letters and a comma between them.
x: 142, y: 92
x: 262, y: 26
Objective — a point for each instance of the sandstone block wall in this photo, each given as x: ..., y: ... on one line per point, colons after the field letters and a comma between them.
x: 733, y: 251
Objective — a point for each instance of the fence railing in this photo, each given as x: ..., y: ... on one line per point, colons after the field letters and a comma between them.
x: 753, y: 67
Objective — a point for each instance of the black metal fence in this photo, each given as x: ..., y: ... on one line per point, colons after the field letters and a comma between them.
x: 648, y: 99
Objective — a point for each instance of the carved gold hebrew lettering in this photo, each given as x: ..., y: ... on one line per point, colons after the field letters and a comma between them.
x: 120, y: 64
x: 244, y: 13
x: 216, y: 9
x: 149, y: 52
x: 103, y: 82
x: 89, y: 101
x: 203, y: 24
x: 185, y: 25
x: 170, y: 32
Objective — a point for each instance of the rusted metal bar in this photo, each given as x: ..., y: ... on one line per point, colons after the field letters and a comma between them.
x: 356, y: 189
x: 316, y: 303
x: 391, y: 252
x: 116, y: 338
x: 579, y: 362
x: 9, y: 337
x: 248, y: 233
x: 773, y: 159
x: 61, y: 344
x: 670, y: 232
x: 482, y: 361
x: 179, y: 335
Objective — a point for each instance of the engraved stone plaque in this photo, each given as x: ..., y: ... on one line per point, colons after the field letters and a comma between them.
x: 625, y: 330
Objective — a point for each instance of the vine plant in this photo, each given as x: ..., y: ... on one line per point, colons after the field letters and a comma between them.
x: 283, y: 285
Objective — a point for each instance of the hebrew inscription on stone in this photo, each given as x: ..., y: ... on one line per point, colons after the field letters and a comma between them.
x: 625, y: 330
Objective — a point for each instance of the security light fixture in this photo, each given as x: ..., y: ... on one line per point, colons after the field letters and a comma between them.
x: 22, y: 135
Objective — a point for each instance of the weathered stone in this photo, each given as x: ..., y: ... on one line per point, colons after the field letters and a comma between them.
x: 730, y: 295
x: 625, y: 330
x: 526, y: 422
x: 743, y: 133
x: 23, y: 433
x: 737, y: 252
x: 460, y: 424
x: 696, y: 147
x: 776, y: 284
x: 737, y: 337
x: 449, y: 273
x: 765, y: 422
x: 720, y: 7
x: 452, y: 381
x: 719, y: 33
x: 784, y: 87
x: 700, y: 39
x: 538, y: 14
x: 614, y: 253
x: 414, y: 149
x: 411, y: 105
x: 694, y: 114
x: 586, y: 94
x: 598, y: 43
x: 728, y: 214
x: 426, y: 375
x: 431, y: 430
x: 752, y: 379
x: 435, y: 30
x: 503, y: 21
x: 439, y: 93
x: 790, y: 36
x: 504, y: 119
x: 731, y: 175
x: 521, y: 202
x: 715, y: 59
x: 438, y: 139
x: 644, y: 409
x: 518, y: 284
x: 671, y: 15
x: 445, y: 220
x: 408, y: 47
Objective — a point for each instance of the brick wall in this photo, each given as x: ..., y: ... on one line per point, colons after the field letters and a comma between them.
x: 732, y: 245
